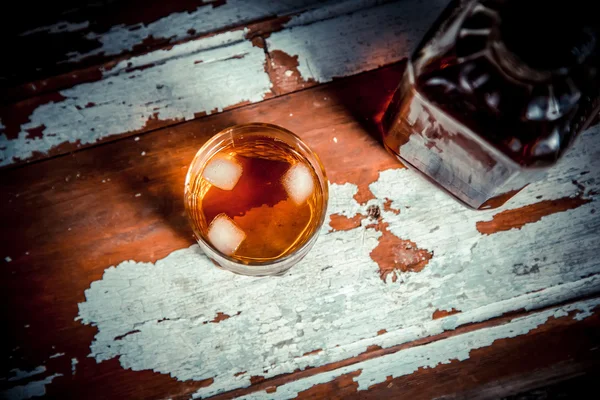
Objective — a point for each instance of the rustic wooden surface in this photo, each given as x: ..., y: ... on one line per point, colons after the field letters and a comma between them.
x: 179, y: 82
x: 406, y: 294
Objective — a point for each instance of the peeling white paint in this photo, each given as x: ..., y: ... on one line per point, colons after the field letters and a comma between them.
x: 219, y: 71
x: 176, y: 26
x: 454, y: 236
x: 186, y: 49
x: 32, y: 389
x: 7, y: 259
x: 175, y: 89
x: 181, y: 25
x: 332, y: 9
x: 19, y: 374
x: 56, y: 355
x: 347, y: 304
x: 60, y: 27
x: 405, y: 362
x: 358, y: 42
x: 74, y: 363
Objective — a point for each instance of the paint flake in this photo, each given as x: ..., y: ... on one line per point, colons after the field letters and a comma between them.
x: 355, y: 42
x: 280, y: 320
x: 232, y: 71
x: 177, y: 26
x: 60, y: 27
x: 31, y: 389
x: 19, y: 374
x: 218, y: 83
x: 405, y: 362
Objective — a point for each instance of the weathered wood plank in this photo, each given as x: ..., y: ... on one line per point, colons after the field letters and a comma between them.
x: 89, y: 34
x: 208, y: 75
x: 506, y: 362
x: 382, y: 371
x: 164, y: 86
x: 305, y: 55
x: 281, y: 324
x: 92, y: 68
x: 80, y: 214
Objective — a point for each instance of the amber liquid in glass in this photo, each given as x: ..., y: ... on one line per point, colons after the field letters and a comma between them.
x: 259, y: 205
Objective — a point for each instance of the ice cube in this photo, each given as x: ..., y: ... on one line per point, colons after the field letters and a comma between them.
x: 225, y: 235
x: 222, y: 172
x: 298, y: 183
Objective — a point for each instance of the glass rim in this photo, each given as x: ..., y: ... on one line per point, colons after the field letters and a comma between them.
x: 277, y: 265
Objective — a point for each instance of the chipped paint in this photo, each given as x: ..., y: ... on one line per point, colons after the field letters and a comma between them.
x: 56, y: 355
x: 394, y: 255
x: 437, y: 314
x: 173, y: 88
x: 348, y: 304
x: 19, y: 374
x: 74, y: 363
x: 60, y: 27
x: 387, y: 206
x: 407, y: 361
x: 330, y: 10
x: 177, y: 26
x: 342, y: 223
x: 193, y: 47
x: 358, y: 42
x: 31, y: 389
x: 516, y: 218
x: 170, y: 84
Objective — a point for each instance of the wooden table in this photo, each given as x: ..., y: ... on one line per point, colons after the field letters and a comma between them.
x: 406, y: 293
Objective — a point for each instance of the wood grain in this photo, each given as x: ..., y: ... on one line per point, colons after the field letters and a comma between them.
x: 67, y: 220
x: 224, y: 70
x: 505, y: 368
x: 71, y: 219
x: 178, y: 23
x: 66, y: 37
x: 505, y: 380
